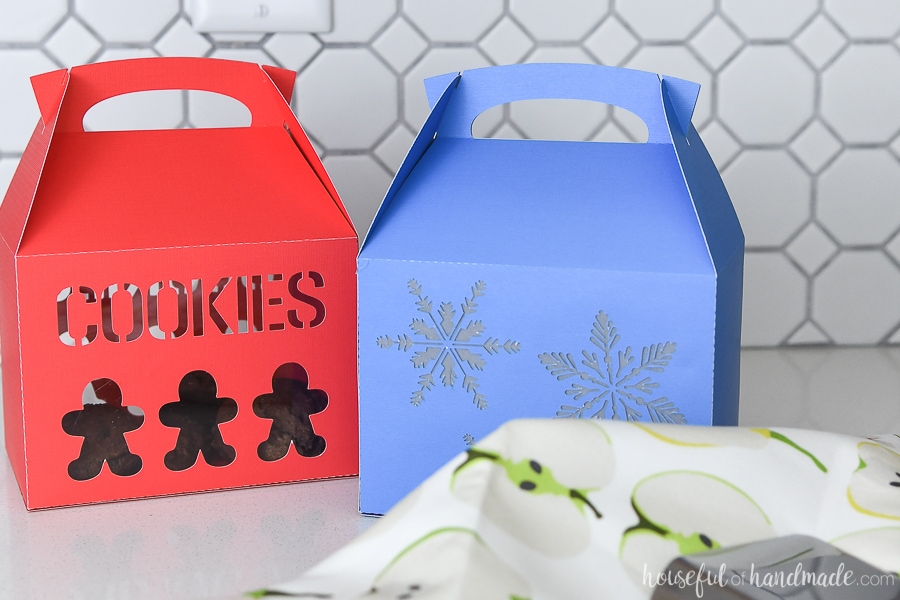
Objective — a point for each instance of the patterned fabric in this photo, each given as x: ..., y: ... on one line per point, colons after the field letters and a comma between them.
x: 587, y: 509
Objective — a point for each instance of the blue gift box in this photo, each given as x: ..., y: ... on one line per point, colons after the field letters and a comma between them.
x: 531, y: 278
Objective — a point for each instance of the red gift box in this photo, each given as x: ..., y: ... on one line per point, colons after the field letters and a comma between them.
x: 177, y: 307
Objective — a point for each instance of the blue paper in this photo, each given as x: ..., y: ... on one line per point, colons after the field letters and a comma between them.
x: 520, y: 278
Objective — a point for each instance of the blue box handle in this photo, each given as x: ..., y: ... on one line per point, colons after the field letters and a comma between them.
x: 637, y: 91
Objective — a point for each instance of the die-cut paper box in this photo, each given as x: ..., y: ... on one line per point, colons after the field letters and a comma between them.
x: 510, y: 278
x: 178, y: 306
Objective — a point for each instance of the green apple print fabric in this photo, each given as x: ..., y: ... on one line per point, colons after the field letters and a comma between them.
x: 584, y: 509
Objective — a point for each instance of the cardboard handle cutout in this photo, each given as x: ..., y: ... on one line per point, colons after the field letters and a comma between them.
x: 74, y: 92
x: 637, y: 91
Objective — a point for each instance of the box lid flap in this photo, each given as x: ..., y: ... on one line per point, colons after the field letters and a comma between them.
x: 542, y: 203
x: 126, y: 190
x: 440, y: 89
x: 48, y: 89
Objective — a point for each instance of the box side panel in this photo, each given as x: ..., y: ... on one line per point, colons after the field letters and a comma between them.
x: 727, y: 385
x: 714, y: 208
x: 14, y: 427
x: 263, y: 334
x: 725, y: 241
x: 449, y: 352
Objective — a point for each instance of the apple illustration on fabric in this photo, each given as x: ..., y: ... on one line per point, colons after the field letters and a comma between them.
x: 532, y: 479
x: 699, y: 437
x: 684, y: 512
x: 875, y: 486
x: 880, y: 547
x: 449, y: 564
x: 891, y: 440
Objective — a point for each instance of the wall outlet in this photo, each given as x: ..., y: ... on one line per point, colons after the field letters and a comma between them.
x: 261, y: 16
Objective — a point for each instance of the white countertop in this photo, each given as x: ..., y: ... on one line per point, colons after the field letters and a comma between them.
x: 219, y: 544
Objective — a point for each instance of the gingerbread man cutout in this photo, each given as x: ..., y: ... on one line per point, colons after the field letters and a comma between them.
x: 103, y: 422
x: 198, y: 413
x: 289, y: 406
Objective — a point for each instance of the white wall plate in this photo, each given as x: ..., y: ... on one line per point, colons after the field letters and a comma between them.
x: 261, y: 16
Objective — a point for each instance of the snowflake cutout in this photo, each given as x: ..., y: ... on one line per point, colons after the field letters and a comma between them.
x: 615, y: 388
x: 442, y: 340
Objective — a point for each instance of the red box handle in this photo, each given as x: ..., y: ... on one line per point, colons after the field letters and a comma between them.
x: 247, y: 83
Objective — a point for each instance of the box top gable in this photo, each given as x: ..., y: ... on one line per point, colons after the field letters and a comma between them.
x: 544, y: 203
x: 119, y: 190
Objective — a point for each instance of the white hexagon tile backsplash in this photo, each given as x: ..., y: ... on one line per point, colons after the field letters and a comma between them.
x: 799, y: 108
